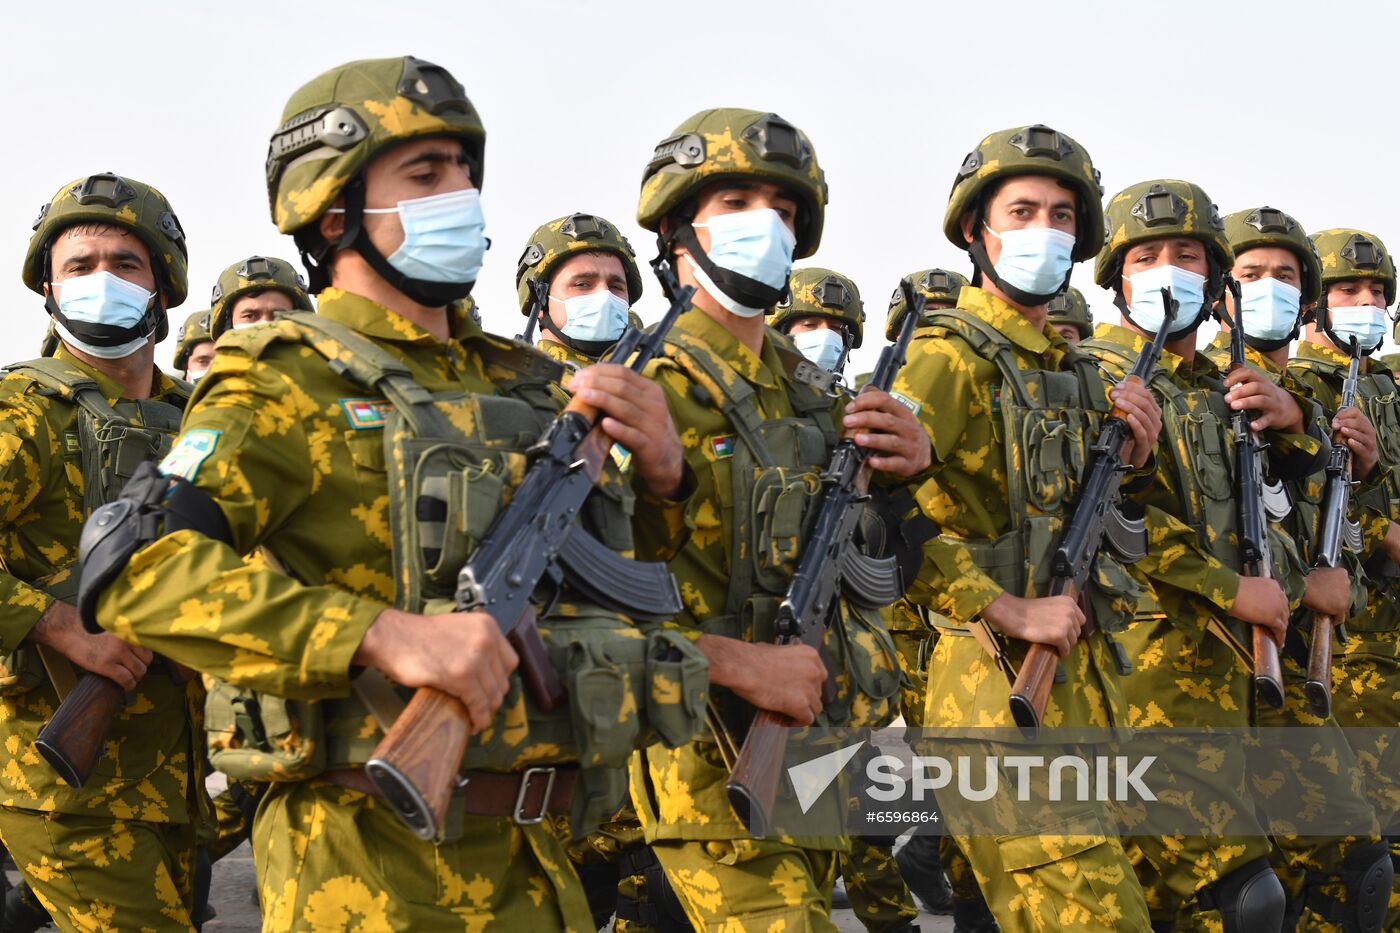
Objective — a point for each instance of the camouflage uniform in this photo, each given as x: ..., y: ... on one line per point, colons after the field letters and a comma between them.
x: 970, y: 369
x: 290, y: 435
x: 191, y: 334
x: 117, y: 853
x: 1186, y: 651
x: 253, y: 276
x: 751, y: 429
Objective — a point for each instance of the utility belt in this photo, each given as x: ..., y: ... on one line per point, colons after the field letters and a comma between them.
x: 526, y: 797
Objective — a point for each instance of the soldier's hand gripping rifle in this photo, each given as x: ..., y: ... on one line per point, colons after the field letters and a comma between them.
x: 536, y: 535
x: 1336, y: 503
x: 1095, y: 518
x: 830, y: 564
x: 1255, y: 553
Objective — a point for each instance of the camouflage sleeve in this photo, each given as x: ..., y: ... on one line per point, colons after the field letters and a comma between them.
x: 1174, y: 558
x: 659, y: 528
x: 1297, y: 456
x: 24, y: 449
x: 935, y: 383
x: 248, y: 625
x: 1289, y: 569
x: 950, y: 583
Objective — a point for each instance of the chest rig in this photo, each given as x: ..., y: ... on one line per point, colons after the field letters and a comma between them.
x: 767, y: 490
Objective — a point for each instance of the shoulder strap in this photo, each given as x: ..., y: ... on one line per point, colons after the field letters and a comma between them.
x: 354, y: 357
x: 70, y: 384
x: 736, y: 397
x: 987, y: 342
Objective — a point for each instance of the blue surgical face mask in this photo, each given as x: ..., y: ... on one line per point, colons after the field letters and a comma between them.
x: 444, y: 236
x: 596, y: 316
x: 755, y: 244
x: 1188, y: 288
x: 822, y: 346
x: 1268, y: 308
x: 1034, y: 259
x: 105, y: 299
x: 1367, y: 323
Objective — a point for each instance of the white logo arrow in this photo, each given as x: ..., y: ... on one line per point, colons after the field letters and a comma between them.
x: 811, y: 778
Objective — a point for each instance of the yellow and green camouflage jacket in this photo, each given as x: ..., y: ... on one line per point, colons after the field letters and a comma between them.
x: 295, y: 458
x: 959, y: 398
x: 572, y: 359
x: 680, y: 792
x: 153, y: 769
x: 1321, y: 370
x: 1183, y: 677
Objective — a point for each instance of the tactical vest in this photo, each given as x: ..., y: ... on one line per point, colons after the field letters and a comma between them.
x: 108, y: 443
x: 1046, y: 420
x: 450, y: 460
x: 773, y: 480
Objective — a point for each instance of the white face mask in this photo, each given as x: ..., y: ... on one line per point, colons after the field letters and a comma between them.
x: 1367, y: 323
x: 596, y: 316
x: 105, y: 300
x: 755, y: 244
x: 1034, y: 259
x: 822, y: 346
x: 1269, y: 308
x: 444, y: 236
x: 1187, y: 288
x: 194, y: 375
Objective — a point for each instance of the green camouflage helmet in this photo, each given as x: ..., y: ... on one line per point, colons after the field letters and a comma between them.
x: 1029, y: 150
x: 336, y: 123
x: 936, y: 284
x: 254, y: 275
x: 727, y: 143
x: 563, y: 237
x: 822, y: 292
x: 1348, y: 253
x: 1069, y: 307
x: 122, y: 202
x: 1268, y: 226
x: 191, y: 334
x: 1151, y: 210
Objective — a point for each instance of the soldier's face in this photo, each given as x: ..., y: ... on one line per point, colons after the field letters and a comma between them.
x: 201, y: 358
x: 1183, y: 252
x: 581, y: 275
x: 812, y: 322
x: 1020, y: 202
x: 1353, y: 293
x: 417, y: 169
x: 1268, y: 262
x: 1067, y: 331
x: 731, y: 197
x: 86, y: 249
x: 256, y: 309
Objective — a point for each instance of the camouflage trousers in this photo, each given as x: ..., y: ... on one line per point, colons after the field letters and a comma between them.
x: 231, y: 821
x: 1311, y: 865
x: 330, y: 859
x: 750, y: 885
x: 913, y: 649
x: 100, y: 874
x: 879, y: 897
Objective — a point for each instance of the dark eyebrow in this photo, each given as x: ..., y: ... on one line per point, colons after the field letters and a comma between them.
x: 584, y: 274
x: 442, y: 156
x: 129, y: 255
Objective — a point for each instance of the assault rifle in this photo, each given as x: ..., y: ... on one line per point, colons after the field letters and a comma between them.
x: 1255, y: 553
x: 535, y: 536
x: 1335, y: 506
x: 830, y: 564
x: 539, y: 305
x: 1096, y: 518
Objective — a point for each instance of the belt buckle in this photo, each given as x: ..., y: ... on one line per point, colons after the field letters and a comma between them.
x: 526, y: 781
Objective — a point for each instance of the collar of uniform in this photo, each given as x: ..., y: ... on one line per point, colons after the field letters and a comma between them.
x: 374, y: 320
x: 1010, y: 322
x: 761, y: 370
x: 1307, y: 350
x: 1124, y: 337
x: 1221, y: 341
x: 161, y: 384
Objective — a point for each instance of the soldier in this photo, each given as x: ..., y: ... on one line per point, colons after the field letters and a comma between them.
x: 1358, y: 284
x: 194, y: 347
x: 1069, y: 315
x: 349, y: 446
x: 109, y: 258
x: 1025, y: 205
x: 589, y: 277
x: 1192, y: 661
x: 1279, y: 275
x: 823, y: 315
x: 734, y: 196
x: 255, y: 291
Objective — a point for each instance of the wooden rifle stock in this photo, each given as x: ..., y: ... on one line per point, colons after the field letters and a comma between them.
x: 1318, y: 686
x: 758, y: 771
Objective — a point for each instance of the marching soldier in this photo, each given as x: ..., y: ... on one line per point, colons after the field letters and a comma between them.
x: 1025, y: 205
x: 1327, y: 877
x: 194, y: 347
x: 1069, y: 315
x: 734, y: 196
x: 586, y: 272
x: 109, y: 258
x: 349, y: 445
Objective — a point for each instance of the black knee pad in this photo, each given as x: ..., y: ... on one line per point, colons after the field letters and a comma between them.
x: 1250, y: 898
x: 663, y: 910
x: 1369, y: 876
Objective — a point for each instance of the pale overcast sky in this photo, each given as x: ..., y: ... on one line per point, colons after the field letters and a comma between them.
x: 1286, y: 103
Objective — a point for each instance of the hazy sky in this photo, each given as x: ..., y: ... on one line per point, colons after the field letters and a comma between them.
x: 1257, y: 102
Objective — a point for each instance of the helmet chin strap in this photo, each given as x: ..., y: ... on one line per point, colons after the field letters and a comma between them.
x: 106, y: 335
x: 428, y: 294
x: 748, y: 292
